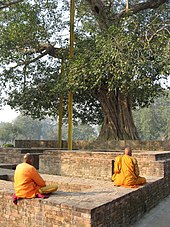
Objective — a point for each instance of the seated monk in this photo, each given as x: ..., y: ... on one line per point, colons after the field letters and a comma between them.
x: 126, y: 170
x: 27, y: 181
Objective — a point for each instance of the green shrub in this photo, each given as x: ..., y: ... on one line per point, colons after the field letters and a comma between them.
x: 8, y: 145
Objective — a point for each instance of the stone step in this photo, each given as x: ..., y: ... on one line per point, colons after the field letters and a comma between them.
x: 7, y: 174
x: 8, y: 166
x: 3, y: 177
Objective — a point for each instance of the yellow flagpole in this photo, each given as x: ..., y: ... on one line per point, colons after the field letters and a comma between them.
x: 70, y: 95
x: 60, y: 112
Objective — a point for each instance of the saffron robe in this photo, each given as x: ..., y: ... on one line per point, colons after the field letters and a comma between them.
x: 126, y: 172
x: 27, y: 181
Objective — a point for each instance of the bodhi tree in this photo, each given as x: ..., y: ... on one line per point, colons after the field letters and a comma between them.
x: 121, y: 55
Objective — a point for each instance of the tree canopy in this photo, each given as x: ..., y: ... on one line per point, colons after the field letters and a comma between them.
x: 121, y: 54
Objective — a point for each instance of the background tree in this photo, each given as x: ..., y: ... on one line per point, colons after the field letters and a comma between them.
x: 117, y: 65
x: 26, y: 128
x: 153, y: 123
x: 8, y: 132
x: 29, y: 128
x: 81, y: 132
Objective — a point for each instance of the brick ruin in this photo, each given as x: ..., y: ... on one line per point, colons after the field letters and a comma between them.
x: 86, y: 196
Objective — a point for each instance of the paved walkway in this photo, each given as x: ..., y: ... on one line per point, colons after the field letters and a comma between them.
x: 158, y: 216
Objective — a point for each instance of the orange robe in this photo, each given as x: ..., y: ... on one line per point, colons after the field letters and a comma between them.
x: 126, y: 172
x: 27, y: 181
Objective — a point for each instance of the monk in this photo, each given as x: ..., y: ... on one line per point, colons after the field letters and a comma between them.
x: 126, y: 170
x: 28, y: 182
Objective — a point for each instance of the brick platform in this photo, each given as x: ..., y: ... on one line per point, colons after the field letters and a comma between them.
x: 97, y: 164
x: 82, y: 202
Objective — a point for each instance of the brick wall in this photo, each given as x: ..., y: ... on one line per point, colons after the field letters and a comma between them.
x: 130, y: 208
x: 151, y: 164
x: 87, y: 164
x: 15, y: 157
x: 12, y: 158
x: 96, y: 165
x: 40, y: 213
x: 123, y: 210
x: 36, y: 143
x: 77, y: 164
x: 151, y: 145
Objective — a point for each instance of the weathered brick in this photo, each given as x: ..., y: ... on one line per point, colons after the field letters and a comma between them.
x: 84, y: 202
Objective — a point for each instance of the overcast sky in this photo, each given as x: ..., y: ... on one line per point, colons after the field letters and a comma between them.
x: 7, y: 115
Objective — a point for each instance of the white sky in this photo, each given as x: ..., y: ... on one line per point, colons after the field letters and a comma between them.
x: 7, y: 115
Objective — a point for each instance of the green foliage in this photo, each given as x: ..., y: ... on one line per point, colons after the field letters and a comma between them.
x: 131, y: 56
x: 8, y: 132
x: 81, y: 132
x: 124, y: 59
x: 153, y: 123
x: 7, y: 145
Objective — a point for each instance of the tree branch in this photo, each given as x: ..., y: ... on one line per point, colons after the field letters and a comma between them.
x: 49, y: 49
x: 43, y: 50
x: 6, y: 4
x: 103, y: 13
x: 150, y: 4
x: 156, y: 33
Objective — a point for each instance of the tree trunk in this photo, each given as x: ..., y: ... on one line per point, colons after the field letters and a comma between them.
x: 118, y: 122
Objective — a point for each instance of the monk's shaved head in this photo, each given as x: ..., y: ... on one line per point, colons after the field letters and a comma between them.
x: 28, y: 158
x: 128, y: 151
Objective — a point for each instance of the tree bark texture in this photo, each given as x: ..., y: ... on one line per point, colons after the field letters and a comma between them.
x: 118, y: 122
x: 104, y: 14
